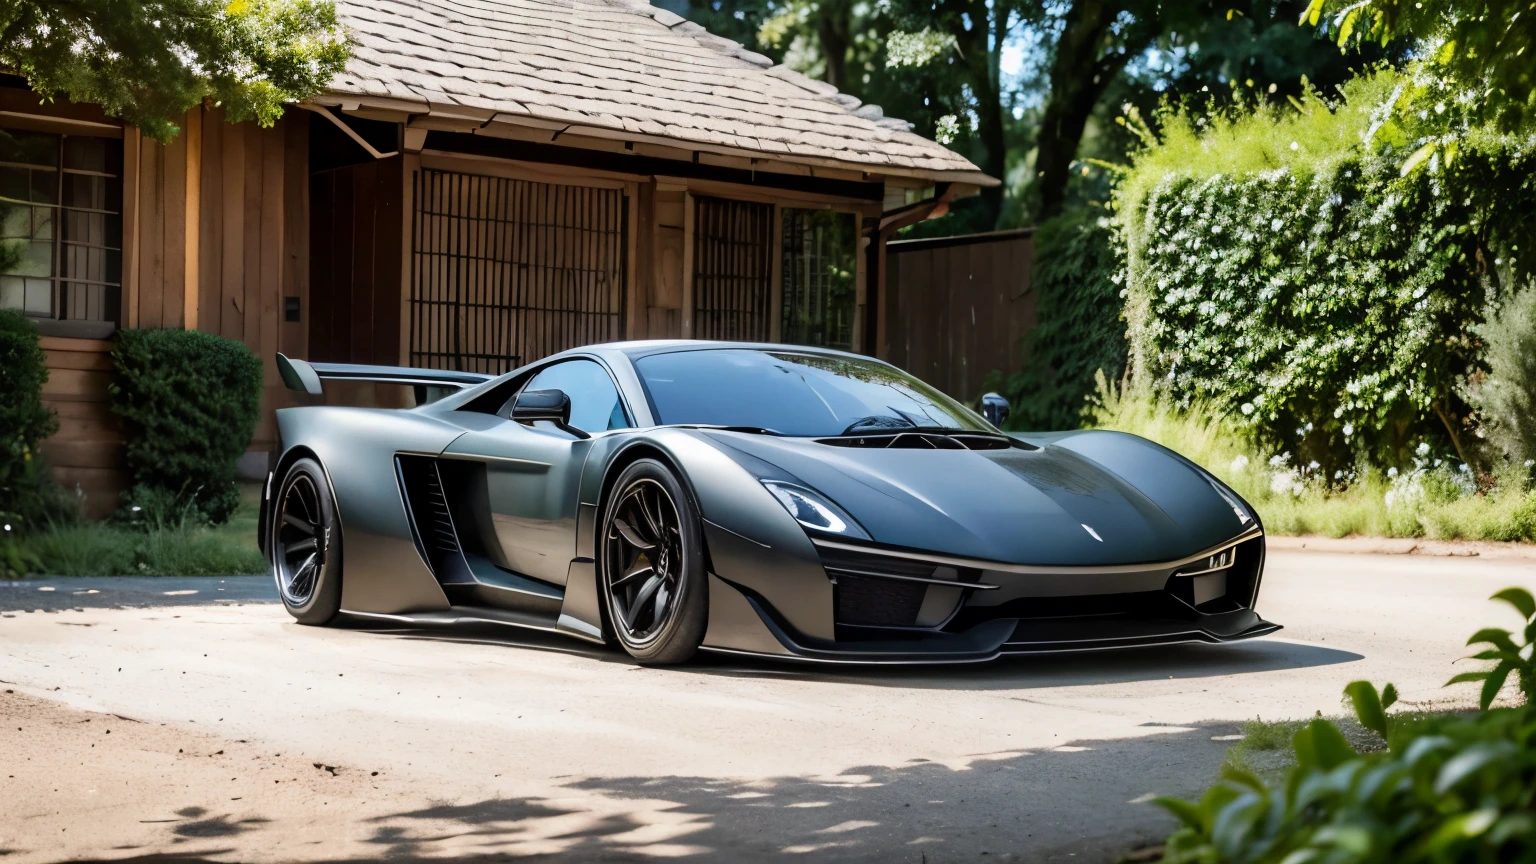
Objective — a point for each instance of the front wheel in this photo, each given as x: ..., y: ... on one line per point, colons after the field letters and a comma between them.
x: 305, y: 539
x: 652, y: 566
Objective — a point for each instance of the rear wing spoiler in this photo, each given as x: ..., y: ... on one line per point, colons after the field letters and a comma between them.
x: 430, y: 384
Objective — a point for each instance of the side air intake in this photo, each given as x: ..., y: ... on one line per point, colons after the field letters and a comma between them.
x: 431, y: 522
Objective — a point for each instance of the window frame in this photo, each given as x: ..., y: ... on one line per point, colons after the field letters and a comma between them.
x: 114, y: 293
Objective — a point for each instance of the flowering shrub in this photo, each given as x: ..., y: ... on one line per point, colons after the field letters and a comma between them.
x: 1289, y: 270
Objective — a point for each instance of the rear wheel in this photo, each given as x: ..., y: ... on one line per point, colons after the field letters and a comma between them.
x: 306, y: 544
x: 652, y: 566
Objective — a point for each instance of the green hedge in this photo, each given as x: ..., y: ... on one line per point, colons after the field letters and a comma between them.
x: 189, y: 402
x: 1283, y: 269
x: 24, y: 423
x: 1080, y: 329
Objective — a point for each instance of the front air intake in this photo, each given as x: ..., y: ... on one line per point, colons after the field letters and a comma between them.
x: 925, y: 441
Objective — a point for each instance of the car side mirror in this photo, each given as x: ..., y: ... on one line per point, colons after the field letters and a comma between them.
x: 552, y: 405
x: 996, y: 409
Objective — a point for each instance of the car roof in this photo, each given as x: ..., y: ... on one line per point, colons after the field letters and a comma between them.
x: 636, y: 349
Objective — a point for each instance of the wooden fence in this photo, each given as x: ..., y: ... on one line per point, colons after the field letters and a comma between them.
x: 959, y: 307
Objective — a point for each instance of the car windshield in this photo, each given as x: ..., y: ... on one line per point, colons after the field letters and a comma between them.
x: 795, y: 394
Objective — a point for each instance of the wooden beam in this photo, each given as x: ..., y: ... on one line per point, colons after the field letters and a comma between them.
x: 688, y: 228
x: 193, y: 218
x: 129, y: 296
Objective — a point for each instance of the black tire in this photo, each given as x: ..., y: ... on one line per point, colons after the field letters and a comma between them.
x: 305, y: 542
x: 658, y: 617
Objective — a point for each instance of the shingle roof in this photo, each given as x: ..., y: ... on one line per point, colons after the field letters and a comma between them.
x: 619, y: 68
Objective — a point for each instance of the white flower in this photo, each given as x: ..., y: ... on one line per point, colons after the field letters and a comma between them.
x: 1313, y: 466
x: 1349, y: 429
x: 1423, y: 448
x: 1239, y: 464
x: 1247, y: 408
x: 1391, y: 472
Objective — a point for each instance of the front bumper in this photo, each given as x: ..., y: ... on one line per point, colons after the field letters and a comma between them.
x: 992, y: 612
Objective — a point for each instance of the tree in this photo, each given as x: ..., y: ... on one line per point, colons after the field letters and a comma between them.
x: 1485, y: 49
x: 149, y: 61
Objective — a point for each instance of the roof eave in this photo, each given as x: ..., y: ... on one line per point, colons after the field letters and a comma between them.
x: 423, y: 113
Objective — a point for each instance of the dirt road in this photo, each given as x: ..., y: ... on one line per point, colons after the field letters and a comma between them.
x: 240, y: 736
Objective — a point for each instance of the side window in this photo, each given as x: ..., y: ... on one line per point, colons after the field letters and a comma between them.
x: 595, y: 403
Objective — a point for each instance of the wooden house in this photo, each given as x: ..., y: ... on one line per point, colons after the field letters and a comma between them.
x: 488, y: 182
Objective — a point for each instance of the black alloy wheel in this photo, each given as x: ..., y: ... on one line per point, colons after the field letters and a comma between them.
x: 306, y: 546
x: 653, y: 575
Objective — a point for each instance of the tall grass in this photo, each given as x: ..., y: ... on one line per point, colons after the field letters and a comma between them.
x: 1436, y: 502
x: 105, y: 549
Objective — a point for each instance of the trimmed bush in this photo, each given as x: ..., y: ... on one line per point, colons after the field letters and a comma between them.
x: 189, y: 402
x: 1448, y: 788
x: 27, y: 496
x: 1080, y: 329
x: 1294, y: 269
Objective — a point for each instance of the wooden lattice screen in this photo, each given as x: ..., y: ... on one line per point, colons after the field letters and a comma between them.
x: 505, y: 272
x: 820, y: 292
x: 732, y: 270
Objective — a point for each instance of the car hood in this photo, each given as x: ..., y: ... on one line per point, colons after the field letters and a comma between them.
x: 1047, y: 506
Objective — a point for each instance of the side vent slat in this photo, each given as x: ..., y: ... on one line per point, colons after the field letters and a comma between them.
x: 431, y: 521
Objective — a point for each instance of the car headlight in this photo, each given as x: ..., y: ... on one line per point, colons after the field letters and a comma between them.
x: 812, y: 510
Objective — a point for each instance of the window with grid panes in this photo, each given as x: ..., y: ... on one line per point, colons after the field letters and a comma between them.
x: 61, y: 225
x: 820, y: 291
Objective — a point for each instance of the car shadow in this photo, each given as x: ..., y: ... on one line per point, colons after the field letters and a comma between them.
x: 1025, y: 671
x: 1086, y: 801
x: 1012, y: 672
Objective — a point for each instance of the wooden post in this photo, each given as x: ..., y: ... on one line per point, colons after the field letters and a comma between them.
x: 132, y: 142
x: 776, y: 277
x: 193, y: 219
x: 688, y: 228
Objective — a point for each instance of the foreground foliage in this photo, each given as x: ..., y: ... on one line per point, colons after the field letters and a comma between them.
x: 1453, y: 788
x: 189, y: 402
x: 149, y: 61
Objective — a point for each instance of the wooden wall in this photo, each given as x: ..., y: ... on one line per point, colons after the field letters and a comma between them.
x: 215, y: 235
x: 86, y: 454
x: 958, y: 308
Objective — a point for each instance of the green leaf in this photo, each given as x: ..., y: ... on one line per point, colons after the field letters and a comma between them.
x: 1519, y: 598
x: 1495, y: 681
x: 1347, y: 25
x: 1320, y: 744
x: 1313, y: 13
x: 1496, y: 637
x: 1469, y: 762
x: 1388, y: 696
x: 1243, y: 777
x: 1186, y: 812
x: 1464, y: 677
x: 1419, y: 157
x: 1368, y: 707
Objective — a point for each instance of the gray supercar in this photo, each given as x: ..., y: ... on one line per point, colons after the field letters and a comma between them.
x: 768, y: 500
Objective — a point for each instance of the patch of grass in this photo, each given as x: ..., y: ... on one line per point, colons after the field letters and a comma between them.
x: 103, y: 549
x: 1266, y: 746
x: 1435, y: 503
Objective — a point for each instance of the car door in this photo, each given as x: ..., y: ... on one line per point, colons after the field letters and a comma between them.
x: 532, y: 472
